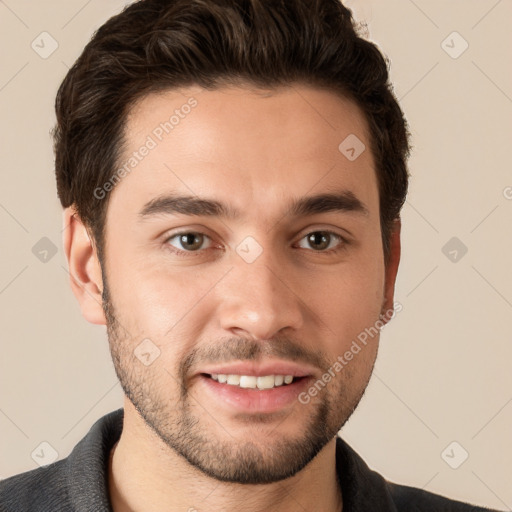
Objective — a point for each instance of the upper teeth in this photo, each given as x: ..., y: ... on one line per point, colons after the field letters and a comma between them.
x: 251, y: 381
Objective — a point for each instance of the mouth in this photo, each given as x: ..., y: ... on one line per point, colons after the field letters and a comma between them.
x: 252, y: 388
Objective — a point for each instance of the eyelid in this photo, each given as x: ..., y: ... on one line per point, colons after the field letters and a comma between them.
x: 329, y: 228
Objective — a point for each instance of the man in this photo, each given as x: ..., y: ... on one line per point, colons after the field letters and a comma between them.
x: 232, y: 175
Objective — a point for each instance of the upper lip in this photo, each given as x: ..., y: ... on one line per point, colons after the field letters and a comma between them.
x: 260, y: 368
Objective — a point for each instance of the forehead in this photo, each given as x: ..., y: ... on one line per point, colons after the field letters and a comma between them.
x: 249, y: 148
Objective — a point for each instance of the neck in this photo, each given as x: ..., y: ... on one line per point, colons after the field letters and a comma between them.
x: 145, y: 474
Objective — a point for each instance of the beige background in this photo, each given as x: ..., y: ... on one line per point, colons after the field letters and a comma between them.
x: 443, y: 372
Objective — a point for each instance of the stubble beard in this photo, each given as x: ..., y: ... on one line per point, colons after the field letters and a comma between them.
x: 273, y: 458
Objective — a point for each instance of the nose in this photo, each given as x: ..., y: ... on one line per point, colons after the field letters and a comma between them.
x: 259, y: 299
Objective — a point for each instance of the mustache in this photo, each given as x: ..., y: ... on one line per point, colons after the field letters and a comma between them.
x: 241, y: 349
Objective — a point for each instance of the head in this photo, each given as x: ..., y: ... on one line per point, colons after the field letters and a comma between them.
x: 232, y: 175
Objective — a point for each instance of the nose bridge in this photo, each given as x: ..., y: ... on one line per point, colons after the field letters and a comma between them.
x: 260, y: 280
x: 256, y: 297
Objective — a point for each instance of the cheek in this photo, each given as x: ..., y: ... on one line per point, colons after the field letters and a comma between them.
x: 161, y: 303
x: 349, y: 300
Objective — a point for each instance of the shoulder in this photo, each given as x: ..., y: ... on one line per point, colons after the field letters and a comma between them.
x: 365, y: 489
x: 77, y: 482
x: 41, y: 489
x: 412, y: 499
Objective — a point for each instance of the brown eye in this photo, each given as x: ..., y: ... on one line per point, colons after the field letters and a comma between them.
x: 321, y: 240
x: 318, y: 240
x: 188, y: 242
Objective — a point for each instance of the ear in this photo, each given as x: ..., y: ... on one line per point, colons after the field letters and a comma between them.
x: 84, y: 268
x: 391, y: 271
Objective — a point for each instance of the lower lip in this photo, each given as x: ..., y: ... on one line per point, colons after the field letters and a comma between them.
x: 250, y: 400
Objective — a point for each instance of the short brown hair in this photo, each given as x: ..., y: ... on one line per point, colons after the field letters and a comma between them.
x: 154, y: 45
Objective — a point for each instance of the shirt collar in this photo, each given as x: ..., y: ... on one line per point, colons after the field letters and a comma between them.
x: 362, y: 489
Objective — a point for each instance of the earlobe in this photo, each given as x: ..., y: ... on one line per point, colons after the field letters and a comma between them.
x: 85, y: 271
x: 391, y: 271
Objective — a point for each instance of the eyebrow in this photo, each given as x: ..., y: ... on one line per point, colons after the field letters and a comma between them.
x: 172, y: 204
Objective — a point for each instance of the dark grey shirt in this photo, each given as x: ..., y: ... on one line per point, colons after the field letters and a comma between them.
x: 79, y: 483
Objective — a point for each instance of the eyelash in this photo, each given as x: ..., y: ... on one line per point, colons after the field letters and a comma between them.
x: 181, y: 253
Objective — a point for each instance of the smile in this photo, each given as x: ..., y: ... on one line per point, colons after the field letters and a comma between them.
x: 253, y: 381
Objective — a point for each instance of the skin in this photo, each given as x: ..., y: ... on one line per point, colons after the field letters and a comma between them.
x: 255, y: 151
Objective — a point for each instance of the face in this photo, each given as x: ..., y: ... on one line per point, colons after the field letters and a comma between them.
x: 243, y: 258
